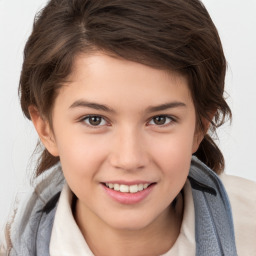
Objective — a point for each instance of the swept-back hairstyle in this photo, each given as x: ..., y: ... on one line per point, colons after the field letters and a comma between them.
x: 175, y: 35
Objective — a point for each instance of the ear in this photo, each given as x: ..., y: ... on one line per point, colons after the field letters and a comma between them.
x: 44, y: 130
x: 198, y: 137
x: 199, y: 134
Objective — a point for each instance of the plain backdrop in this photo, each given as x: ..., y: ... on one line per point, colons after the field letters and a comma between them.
x: 236, y: 22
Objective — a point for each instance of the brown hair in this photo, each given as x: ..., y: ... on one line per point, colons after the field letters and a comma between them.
x: 174, y: 35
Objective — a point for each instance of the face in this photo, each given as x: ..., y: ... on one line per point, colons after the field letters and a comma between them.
x: 125, y: 133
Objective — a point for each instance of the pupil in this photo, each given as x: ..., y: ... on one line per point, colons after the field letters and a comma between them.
x: 95, y: 120
x: 160, y: 120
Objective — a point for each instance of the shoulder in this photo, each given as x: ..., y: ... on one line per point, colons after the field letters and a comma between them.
x: 27, y: 215
x: 241, y: 192
x: 242, y: 196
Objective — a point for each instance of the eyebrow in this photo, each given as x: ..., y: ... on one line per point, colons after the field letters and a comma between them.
x: 165, y: 106
x: 97, y: 106
x: 87, y: 104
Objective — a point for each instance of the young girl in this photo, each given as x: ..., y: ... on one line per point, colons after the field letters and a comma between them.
x: 122, y: 94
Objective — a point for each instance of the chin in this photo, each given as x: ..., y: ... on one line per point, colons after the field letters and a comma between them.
x: 130, y: 225
x: 131, y: 221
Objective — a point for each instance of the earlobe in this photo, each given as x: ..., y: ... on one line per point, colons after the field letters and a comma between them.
x: 199, y: 134
x: 44, y: 130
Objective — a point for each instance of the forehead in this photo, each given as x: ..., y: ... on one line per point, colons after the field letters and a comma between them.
x: 100, y: 77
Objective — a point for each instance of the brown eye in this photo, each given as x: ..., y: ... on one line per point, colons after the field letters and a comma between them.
x: 161, y: 120
x: 94, y: 121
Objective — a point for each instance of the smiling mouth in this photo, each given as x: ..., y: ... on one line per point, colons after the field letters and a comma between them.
x: 126, y: 188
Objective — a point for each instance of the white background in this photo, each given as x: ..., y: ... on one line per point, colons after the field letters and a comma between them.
x: 236, y: 22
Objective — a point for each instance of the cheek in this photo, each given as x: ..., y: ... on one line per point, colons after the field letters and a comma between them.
x: 174, y: 147
x: 173, y: 155
x: 80, y: 155
x: 81, y: 161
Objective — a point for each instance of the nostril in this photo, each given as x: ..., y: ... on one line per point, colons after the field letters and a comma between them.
x: 128, y: 163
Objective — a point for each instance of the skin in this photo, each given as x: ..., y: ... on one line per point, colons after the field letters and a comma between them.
x: 128, y: 143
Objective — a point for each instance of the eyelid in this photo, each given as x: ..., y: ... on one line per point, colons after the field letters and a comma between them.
x: 172, y: 120
x: 82, y: 120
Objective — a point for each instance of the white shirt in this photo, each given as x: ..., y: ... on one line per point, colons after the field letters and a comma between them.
x: 242, y: 197
x: 67, y: 239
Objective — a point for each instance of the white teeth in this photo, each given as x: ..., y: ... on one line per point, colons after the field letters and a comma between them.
x: 140, y: 187
x: 116, y: 187
x: 126, y: 189
x: 110, y: 185
x: 145, y: 186
x: 134, y: 189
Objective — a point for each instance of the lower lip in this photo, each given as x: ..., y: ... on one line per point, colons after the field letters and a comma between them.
x: 128, y: 198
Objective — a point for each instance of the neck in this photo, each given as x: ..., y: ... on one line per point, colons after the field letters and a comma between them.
x: 155, y: 239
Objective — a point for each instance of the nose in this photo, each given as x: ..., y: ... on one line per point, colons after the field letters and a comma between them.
x: 129, y: 151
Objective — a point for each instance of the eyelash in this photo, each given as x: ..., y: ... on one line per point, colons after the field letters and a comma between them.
x: 83, y: 120
x: 171, y: 120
